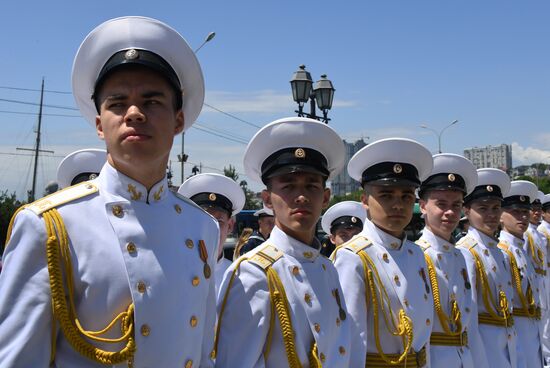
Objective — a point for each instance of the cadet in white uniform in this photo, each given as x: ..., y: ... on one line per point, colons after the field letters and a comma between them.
x: 455, y: 340
x: 221, y: 197
x: 79, y: 166
x: 342, y: 222
x: 383, y: 274
x: 281, y: 305
x: 266, y: 222
x: 526, y: 302
x: 544, y: 229
x: 108, y: 267
x: 488, y: 268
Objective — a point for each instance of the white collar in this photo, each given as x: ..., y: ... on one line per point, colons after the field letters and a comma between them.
x: 118, y: 184
x: 482, y: 238
x: 436, y: 242
x: 294, y: 247
x: 510, y: 239
x: 379, y: 236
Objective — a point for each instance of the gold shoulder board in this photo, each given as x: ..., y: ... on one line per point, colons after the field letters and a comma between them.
x: 358, y: 244
x: 423, y: 244
x: 466, y: 242
x: 266, y: 256
x: 61, y: 197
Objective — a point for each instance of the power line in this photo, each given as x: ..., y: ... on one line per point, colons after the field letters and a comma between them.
x: 224, y: 132
x: 28, y: 154
x: 219, y: 135
x: 35, y: 90
x: 35, y: 113
x: 37, y: 104
x: 232, y: 116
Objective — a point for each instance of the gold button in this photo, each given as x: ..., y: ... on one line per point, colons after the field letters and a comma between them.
x: 131, y: 247
x: 394, y: 245
x: 324, y: 267
x: 446, y: 247
x: 189, y: 364
x: 308, y: 254
x: 177, y: 208
x: 317, y: 327
x: 193, y: 321
x: 295, y: 270
x: 338, y: 321
x: 396, y: 279
x: 117, y: 211
x: 323, y: 358
x: 189, y: 243
x: 141, y: 287
x: 196, y: 281
x: 342, y: 350
x: 428, y: 321
x: 385, y: 257
x: 307, y: 298
x: 145, y: 330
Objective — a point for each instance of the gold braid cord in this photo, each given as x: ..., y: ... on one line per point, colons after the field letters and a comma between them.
x: 381, y: 300
x: 245, y: 235
x: 489, y: 301
x: 536, y: 255
x: 280, y: 306
x: 58, y: 258
x: 445, y: 321
x: 528, y: 308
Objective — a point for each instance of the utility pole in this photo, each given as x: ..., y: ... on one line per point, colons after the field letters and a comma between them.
x: 32, y: 192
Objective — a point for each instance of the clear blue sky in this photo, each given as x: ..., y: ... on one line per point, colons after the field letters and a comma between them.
x: 395, y: 65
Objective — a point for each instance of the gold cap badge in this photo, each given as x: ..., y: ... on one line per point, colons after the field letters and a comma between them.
x: 212, y: 197
x: 300, y: 153
x: 397, y: 169
x: 489, y: 188
x: 451, y: 177
x: 131, y: 54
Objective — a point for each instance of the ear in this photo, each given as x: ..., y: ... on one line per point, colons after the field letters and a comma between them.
x: 332, y: 239
x: 99, y: 127
x: 364, y: 200
x: 326, y: 198
x: 180, y: 122
x: 466, y: 211
x: 266, y: 198
x: 231, y: 224
x: 422, y: 203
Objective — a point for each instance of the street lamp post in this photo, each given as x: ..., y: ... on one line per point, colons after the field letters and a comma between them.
x: 182, y: 158
x: 303, y: 90
x: 440, y: 133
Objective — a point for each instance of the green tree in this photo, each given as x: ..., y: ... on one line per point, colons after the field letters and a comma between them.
x: 8, y: 205
x: 542, y: 182
x: 250, y: 202
x: 353, y: 196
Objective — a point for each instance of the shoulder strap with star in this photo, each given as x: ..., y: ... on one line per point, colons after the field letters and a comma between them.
x: 355, y: 245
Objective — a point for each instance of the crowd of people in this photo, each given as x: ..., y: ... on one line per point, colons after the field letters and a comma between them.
x: 117, y: 270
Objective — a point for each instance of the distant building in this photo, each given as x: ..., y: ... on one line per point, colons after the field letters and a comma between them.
x: 343, y: 183
x: 498, y: 157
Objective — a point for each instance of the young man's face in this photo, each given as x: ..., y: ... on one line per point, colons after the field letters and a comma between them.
x: 389, y: 207
x: 515, y: 221
x: 441, y: 209
x: 297, y: 200
x: 137, y: 118
x: 225, y: 223
x: 342, y: 234
x: 265, y: 224
x: 484, y: 215
x: 535, y: 214
x: 546, y: 215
